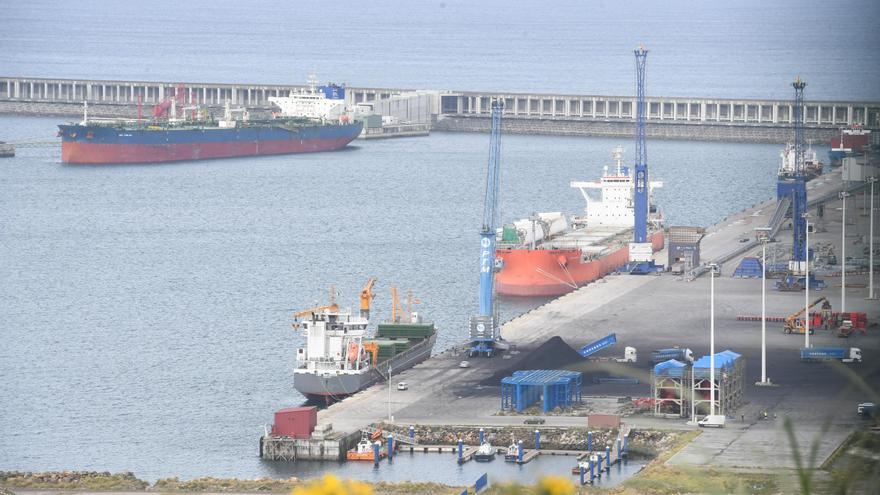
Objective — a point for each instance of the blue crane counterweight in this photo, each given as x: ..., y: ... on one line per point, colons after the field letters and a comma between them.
x: 484, y: 334
x: 641, y: 249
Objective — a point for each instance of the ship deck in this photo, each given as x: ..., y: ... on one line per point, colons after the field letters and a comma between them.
x: 590, y: 240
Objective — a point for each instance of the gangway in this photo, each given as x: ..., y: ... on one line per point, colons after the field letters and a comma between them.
x: 598, y: 345
x: 378, y: 434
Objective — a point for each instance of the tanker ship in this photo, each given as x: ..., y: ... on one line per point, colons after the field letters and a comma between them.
x: 305, y: 121
x: 550, y: 254
x: 341, y: 357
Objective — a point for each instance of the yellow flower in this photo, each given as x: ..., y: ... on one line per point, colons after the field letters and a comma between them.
x: 555, y: 485
x: 331, y: 485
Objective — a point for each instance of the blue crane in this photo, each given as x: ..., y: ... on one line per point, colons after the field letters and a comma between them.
x: 795, y: 187
x: 641, y: 250
x: 484, y: 334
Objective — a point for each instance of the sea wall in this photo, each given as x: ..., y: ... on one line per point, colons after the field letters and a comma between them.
x: 666, y: 130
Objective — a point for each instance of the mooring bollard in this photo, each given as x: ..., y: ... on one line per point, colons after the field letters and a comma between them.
x: 376, y: 446
x: 589, y: 441
x: 460, y: 449
x: 390, y: 447
x: 582, y: 470
x: 537, y: 440
x: 482, y: 436
x: 519, y: 451
x: 608, y: 457
x: 626, y: 446
x: 412, y: 433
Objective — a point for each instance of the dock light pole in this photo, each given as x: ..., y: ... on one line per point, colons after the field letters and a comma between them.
x: 807, y: 284
x: 763, y: 235
x: 713, y: 268
x: 843, y: 195
x: 871, y: 296
x: 390, y: 419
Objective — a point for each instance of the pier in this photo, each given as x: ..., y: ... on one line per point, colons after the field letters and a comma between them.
x: 747, y: 120
x: 653, y: 313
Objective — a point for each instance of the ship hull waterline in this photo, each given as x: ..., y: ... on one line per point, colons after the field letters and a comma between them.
x: 93, y: 145
x: 555, y: 272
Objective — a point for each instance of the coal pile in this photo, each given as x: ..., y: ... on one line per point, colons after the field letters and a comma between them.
x: 554, y: 354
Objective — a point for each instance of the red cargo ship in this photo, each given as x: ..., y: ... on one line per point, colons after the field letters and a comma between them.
x: 550, y: 254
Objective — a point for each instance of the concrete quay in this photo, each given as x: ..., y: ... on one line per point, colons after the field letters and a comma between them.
x: 652, y: 312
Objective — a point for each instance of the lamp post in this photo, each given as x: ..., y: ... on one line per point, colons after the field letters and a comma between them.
x: 807, y: 283
x: 390, y: 419
x: 843, y: 195
x: 763, y: 235
x: 713, y: 267
x: 871, y: 296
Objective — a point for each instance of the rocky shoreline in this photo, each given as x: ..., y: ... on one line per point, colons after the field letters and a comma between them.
x: 13, y: 482
x: 642, y: 443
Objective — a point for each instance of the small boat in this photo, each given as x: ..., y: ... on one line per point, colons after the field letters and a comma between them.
x: 485, y: 453
x: 363, y: 452
x: 585, y: 463
x: 512, y: 453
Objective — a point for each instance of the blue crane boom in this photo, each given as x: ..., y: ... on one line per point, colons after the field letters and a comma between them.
x: 490, y: 214
x: 483, y: 331
x: 640, y: 202
x: 641, y: 249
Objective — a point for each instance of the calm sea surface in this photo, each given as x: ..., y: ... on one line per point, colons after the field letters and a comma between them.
x: 145, y: 310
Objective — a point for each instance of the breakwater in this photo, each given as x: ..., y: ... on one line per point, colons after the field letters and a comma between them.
x: 714, y: 119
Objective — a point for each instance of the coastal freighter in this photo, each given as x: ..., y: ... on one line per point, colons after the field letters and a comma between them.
x: 308, y: 121
x: 787, y: 164
x: 550, y: 254
x: 341, y: 357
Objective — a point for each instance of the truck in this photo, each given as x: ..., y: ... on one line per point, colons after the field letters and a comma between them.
x: 679, y: 354
x: 843, y: 354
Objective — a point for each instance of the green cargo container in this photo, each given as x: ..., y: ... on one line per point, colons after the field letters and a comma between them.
x: 509, y: 235
x: 405, y: 330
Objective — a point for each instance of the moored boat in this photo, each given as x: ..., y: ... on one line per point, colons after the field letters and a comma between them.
x: 485, y: 453
x: 551, y: 254
x: 307, y: 121
x: 341, y: 357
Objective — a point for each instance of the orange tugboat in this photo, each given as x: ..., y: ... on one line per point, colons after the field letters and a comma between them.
x: 363, y: 451
x: 551, y: 254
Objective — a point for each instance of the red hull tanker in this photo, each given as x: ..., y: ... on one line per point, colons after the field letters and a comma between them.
x: 550, y: 254
x: 554, y: 272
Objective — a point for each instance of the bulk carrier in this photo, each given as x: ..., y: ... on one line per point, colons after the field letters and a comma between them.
x: 551, y: 254
x: 306, y: 121
x: 341, y: 357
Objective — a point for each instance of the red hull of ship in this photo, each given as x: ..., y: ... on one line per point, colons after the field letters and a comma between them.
x: 78, y: 152
x: 552, y: 272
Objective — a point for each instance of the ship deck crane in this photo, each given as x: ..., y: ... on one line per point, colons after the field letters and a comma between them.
x: 485, y: 336
x: 367, y: 297
x: 641, y: 250
x: 332, y: 307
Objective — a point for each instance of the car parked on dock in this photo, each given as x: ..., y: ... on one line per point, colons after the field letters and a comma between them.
x: 402, y: 386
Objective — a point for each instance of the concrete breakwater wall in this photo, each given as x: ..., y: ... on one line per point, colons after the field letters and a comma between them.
x: 655, y: 130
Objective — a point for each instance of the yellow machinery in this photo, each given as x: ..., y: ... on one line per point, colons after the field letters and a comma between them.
x: 793, y: 323
x: 367, y: 297
x: 330, y: 307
